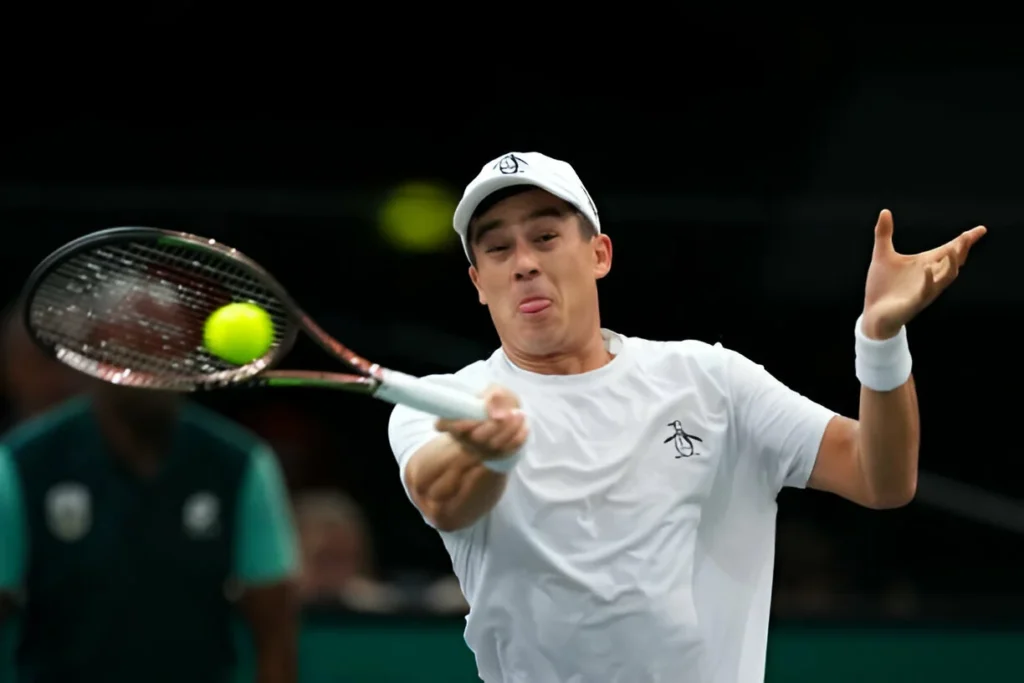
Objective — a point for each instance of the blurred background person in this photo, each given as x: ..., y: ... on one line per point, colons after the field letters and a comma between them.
x: 337, y: 555
x: 135, y: 525
x: 338, y: 567
x: 32, y: 382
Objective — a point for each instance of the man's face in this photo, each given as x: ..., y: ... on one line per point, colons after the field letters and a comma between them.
x: 139, y: 406
x: 536, y: 272
x: 147, y: 317
x: 35, y: 382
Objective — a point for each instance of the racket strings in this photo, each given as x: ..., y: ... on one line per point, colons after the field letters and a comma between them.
x: 137, y: 310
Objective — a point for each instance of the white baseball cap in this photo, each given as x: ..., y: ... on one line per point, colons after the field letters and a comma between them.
x: 523, y: 168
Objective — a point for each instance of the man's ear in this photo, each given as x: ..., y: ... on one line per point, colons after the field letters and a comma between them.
x: 602, y: 246
x: 475, y: 277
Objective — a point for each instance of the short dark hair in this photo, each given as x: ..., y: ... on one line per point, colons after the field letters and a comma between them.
x: 493, y: 198
x: 587, y: 229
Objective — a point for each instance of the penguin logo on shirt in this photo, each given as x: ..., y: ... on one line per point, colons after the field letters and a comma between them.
x: 683, y: 442
x: 69, y: 511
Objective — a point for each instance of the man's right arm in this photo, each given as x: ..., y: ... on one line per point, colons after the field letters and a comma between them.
x: 12, y: 534
x: 450, y: 485
x: 442, y: 461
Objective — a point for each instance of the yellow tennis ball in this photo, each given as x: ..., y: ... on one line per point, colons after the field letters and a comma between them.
x: 238, y: 333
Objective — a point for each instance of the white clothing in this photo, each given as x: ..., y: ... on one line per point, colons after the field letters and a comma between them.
x: 635, y: 540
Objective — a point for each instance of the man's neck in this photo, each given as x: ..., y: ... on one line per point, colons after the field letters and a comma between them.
x: 141, y: 445
x: 589, y: 356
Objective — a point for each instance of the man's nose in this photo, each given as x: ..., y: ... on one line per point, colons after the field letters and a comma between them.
x: 526, y: 266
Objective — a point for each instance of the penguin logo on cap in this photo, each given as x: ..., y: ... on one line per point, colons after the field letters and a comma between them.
x: 510, y: 164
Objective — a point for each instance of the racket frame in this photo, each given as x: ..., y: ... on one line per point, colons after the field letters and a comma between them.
x: 372, y: 379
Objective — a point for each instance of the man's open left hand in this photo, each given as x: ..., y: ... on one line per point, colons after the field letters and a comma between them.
x: 900, y: 286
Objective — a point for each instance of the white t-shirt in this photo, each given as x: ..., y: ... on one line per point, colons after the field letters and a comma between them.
x: 635, y: 541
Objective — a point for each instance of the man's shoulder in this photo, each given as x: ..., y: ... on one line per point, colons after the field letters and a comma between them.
x: 684, y: 355
x: 36, y: 434
x: 712, y: 366
x: 683, y: 347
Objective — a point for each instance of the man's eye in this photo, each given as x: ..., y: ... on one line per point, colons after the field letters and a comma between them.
x: 495, y: 247
x: 547, y: 237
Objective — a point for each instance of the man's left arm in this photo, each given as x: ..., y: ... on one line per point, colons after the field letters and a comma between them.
x: 266, y: 561
x: 873, y: 461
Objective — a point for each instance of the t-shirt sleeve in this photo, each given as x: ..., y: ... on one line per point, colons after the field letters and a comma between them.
x: 775, y: 423
x: 408, y: 431
x: 266, y: 548
x: 12, y: 526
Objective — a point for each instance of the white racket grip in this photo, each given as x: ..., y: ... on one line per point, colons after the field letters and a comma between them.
x: 399, y: 388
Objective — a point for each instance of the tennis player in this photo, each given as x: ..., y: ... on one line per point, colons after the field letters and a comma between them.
x: 129, y: 522
x: 613, y: 520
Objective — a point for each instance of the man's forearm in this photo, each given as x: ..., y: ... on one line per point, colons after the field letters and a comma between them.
x: 272, y: 611
x: 277, y: 663
x: 451, y: 486
x: 890, y: 435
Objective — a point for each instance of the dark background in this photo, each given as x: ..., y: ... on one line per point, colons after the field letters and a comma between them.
x: 739, y: 181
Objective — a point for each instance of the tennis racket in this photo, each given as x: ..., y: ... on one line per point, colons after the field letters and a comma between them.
x: 128, y: 306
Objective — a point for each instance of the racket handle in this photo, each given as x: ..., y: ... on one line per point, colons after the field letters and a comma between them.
x: 446, y: 402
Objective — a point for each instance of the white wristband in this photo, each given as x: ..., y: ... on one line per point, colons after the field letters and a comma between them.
x: 504, y: 465
x: 882, y: 365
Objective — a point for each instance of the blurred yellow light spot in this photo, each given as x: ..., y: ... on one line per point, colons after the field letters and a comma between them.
x: 417, y: 217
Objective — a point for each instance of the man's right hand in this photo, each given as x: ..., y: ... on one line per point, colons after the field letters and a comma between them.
x: 445, y: 477
x: 503, y: 432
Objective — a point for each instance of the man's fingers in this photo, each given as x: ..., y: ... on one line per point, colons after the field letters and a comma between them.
x: 939, y: 274
x: 494, y: 434
x: 931, y: 286
x: 950, y: 269
x: 499, y: 403
x: 513, y: 442
x: 502, y: 431
x: 969, y: 239
x: 505, y: 439
x: 484, y: 432
x: 455, y: 426
x: 961, y: 245
x: 883, y: 231
x: 509, y: 441
x: 960, y: 250
x: 957, y: 249
x: 519, y: 438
